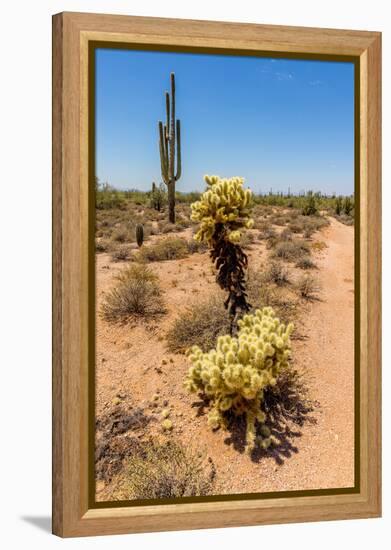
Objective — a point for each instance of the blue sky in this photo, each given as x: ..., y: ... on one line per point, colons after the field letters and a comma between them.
x: 279, y: 123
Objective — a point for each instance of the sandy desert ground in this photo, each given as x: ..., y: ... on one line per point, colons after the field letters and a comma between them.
x: 135, y: 372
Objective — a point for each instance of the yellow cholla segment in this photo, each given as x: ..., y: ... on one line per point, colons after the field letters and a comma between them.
x: 225, y: 201
x: 235, y: 374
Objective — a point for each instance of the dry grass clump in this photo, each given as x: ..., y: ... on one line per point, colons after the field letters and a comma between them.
x: 281, y: 298
x: 247, y: 239
x: 122, y: 235
x: 136, y: 293
x: 194, y: 246
x: 318, y: 246
x: 308, y: 225
x: 166, y: 227
x: 277, y: 274
x: 291, y: 250
x: 279, y: 219
x: 199, y: 325
x: 345, y: 219
x: 164, y: 470
x: 305, y: 263
x: 308, y: 287
x: 171, y: 248
x: 286, y: 235
x: 267, y: 233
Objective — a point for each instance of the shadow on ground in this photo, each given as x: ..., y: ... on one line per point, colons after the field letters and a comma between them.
x: 287, y: 407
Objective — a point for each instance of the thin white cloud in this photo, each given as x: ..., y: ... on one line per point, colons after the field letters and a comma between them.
x: 315, y: 82
x: 283, y: 76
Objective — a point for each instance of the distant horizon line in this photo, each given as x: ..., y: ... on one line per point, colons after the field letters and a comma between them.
x: 259, y: 193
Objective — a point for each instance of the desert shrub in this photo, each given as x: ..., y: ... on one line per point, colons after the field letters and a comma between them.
x: 318, y: 246
x: 121, y: 254
x: 261, y: 225
x: 308, y: 232
x: 267, y: 233
x: 286, y: 235
x: 136, y: 293
x: 279, y: 220
x: 235, y: 374
x: 305, y: 263
x: 277, y: 274
x: 182, y: 223
x: 102, y: 245
x: 171, y: 248
x: 165, y: 470
x: 308, y: 287
x: 121, y: 235
x: 195, y: 246
x: 281, y: 299
x: 166, y: 227
x: 246, y: 240
x: 347, y: 220
x: 107, y: 197
x: 291, y: 250
x: 198, y: 325
x: 296, y: 227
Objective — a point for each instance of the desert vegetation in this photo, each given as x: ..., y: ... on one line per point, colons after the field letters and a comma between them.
x: 209, y: 329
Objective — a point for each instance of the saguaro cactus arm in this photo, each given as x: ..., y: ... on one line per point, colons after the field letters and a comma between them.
x: 179, y: 157
x: 163, y: 154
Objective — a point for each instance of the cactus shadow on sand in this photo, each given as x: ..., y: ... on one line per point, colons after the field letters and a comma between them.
x: 288, y: 409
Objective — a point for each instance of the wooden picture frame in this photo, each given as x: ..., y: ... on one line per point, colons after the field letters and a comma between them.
x: 72, y: 35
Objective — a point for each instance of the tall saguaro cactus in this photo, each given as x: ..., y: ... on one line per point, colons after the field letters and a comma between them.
x: 169, y: 148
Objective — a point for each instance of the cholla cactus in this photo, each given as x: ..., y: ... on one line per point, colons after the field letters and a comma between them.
x: 235, y: 374
x: 226, y: 203
x: 224, y: 213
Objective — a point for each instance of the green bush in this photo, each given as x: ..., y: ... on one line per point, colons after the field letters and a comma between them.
x: 136, y: 293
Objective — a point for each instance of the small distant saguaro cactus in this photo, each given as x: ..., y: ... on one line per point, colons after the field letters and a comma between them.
x: 139, y: 234
x: 170, y: 149
x: 309, y: 208
x: 224, y: 213
x: 348, y: 206
x: 338, y: 205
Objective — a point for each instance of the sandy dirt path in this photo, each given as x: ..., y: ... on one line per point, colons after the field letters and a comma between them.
x: 134, y: 364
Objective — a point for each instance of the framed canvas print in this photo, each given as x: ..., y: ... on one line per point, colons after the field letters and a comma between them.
x: 216, y: 268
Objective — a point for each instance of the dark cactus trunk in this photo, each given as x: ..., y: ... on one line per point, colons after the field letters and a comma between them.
x: 171, y: 201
